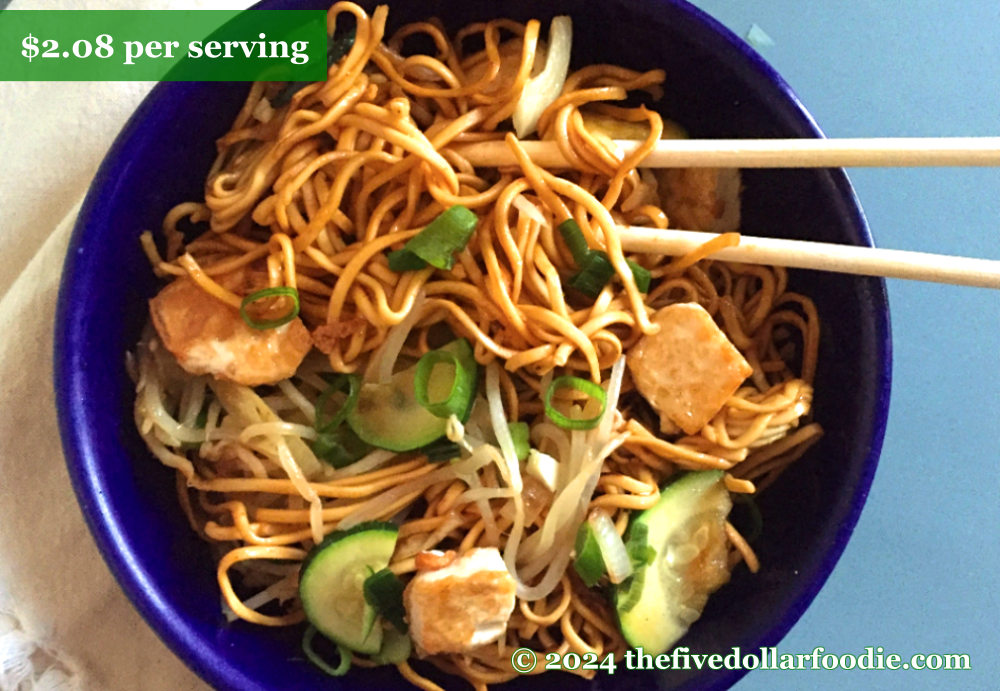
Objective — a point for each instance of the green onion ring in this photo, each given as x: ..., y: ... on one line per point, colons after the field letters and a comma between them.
x: 307, y: 648
x: 279, y: 291
x: 437, y: 243
x: 519, y: 434
x: 353, y: 382
x: 340, y: 447
x: 577, y: 384
x: 462, y: 386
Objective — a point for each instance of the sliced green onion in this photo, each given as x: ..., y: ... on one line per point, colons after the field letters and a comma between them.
x: 441, y: 450
x: 630, y: 592
x: 595, y: 272
x: 519, y: 435
x: 574, y: 239
x: 405, y: 260
x: 640, y: 551
x: 279, y: 291
x: 336, y: 48
x: 641, y: 275
x: 437, y: 243
x: 314, y: 657
x: 340, y: 447
x: 384, y: 591
x: 594, y: 266
x: 589, y: 563
x: 577, y: 384
x: 463, y: 383
x: 337, y: 444
x: 349, y: 383
x: 641, y: 554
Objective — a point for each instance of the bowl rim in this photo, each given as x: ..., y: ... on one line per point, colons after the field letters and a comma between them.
x: 83, y: 462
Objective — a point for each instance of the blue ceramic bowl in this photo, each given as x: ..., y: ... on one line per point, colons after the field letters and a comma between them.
x: 716, y: 87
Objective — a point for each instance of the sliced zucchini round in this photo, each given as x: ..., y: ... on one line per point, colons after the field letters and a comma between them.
x: 331, y: 584
x: 389, y: 416
x: 686, y: 527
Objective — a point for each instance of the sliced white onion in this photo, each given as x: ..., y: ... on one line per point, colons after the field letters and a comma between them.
x: 540, y: 92
x: 612, y: 546
x: 530, y: 210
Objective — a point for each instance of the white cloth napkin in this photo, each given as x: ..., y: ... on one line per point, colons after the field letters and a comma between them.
x: 64, y: 622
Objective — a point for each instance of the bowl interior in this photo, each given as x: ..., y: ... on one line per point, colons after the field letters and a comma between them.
x: 716, y: 87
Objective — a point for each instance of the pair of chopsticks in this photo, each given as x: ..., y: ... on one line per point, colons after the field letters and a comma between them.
x: 792, y: 153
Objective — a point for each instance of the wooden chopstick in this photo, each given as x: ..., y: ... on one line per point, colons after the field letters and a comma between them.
x: 802, y: 254
x: 768, y: 153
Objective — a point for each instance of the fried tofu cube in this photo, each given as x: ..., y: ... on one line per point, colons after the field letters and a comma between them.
x: 706, y: 199
x: 461, y: 606
x: 208, y: 336
x: 688, y: 369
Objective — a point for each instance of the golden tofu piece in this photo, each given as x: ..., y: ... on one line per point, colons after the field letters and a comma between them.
x: 706, y: 199
x: 689, y: 368
x: 460, y: 606
x: 208, y: 336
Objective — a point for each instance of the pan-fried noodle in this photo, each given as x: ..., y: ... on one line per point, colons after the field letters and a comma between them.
x: 314, y: 193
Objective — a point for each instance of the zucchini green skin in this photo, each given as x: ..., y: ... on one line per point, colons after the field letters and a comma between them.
x: 686, y: 527
x: 395, y: 649
x: 332, y: 579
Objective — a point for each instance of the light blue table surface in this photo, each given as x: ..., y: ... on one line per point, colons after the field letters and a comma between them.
x: 922, y: 571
